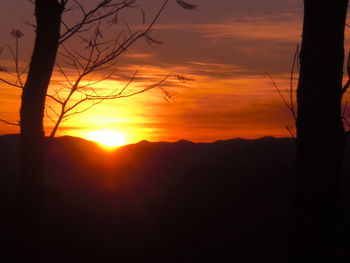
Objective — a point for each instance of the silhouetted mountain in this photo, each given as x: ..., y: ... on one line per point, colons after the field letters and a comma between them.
x: 227, y: 201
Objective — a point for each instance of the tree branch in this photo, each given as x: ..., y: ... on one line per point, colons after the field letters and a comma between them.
x: 10, y: 123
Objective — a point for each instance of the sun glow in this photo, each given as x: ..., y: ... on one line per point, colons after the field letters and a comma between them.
x: 107, y: 138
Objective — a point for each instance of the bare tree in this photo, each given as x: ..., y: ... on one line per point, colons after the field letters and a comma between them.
x: 95, y: 53
x: 289, y: 100
x: 321, y: 119
x: 48, y: 43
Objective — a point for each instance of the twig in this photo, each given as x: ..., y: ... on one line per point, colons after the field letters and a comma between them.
x: 10, y: 123
x: 291, y: 86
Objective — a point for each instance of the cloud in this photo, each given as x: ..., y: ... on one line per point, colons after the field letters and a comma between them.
x: 281, y: 27
x: 254, y: 29
x: 138, y: 55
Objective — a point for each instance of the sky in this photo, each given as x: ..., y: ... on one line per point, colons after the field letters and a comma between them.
x: 226, y: 48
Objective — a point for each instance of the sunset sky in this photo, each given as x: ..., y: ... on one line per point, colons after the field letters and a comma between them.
x: 228, y: 48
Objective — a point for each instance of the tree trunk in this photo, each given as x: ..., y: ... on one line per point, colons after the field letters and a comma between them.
x: 48, y: 17
x: 320, y: 131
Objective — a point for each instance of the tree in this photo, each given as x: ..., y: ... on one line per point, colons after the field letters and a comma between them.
x: 320, y: 131
x: 48, y: 14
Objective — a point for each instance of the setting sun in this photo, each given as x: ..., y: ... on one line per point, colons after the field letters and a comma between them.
x: 107, y: 138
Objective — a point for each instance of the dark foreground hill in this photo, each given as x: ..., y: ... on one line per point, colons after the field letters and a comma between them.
x: 227, y: 201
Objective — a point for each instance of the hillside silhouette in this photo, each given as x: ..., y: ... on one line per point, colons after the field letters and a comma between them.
x: 225, y: 201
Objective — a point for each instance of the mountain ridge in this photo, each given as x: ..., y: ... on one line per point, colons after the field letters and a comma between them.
x: 160, y: 201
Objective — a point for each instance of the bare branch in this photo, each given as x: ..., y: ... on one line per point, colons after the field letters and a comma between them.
x: 16, y: 34
x: 48, y: 115
x: 152, y: 41
x: 186, y: 5
x: 291, y: 131
x: 143, y: 16
x: 54, y: 98
x: 120, y: 94
x: 93, y: 16
x: 10, y: 123
x: 100, y: 54
x: 29, y: 24
x: 291, y: 86
x: 10, y: 83
x: 347, y: 84
x: 64, y: 74
x: 279, y: 93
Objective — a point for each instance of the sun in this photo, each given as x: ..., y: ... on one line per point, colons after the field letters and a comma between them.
x: 107, y: 138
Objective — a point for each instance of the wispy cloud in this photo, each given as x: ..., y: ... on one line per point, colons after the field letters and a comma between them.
x: 254, y: 29
x: 138, y: 55
x: 281, y: 27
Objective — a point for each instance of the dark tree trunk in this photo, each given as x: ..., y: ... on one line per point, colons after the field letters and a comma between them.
x: 320, y: 132
x: 48, y: 17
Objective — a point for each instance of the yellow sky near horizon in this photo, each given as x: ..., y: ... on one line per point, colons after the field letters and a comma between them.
x: 205, y: 109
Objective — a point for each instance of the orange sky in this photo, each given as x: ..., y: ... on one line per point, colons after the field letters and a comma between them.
x: 227, y: 48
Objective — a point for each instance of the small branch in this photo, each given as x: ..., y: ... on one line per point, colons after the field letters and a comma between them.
x: 347, y: 84
x: 10, y: 123
x: 90, y: 16
x: 346, y: 122
x: 291, y: 87
x: 10, y: 83
x: 279, y: 93
x: 54, y: 98
x: 186, y: 5
x: 290, y: 130
x: 64, y: 74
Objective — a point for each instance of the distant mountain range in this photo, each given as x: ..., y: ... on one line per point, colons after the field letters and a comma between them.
x: 227, y: 201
